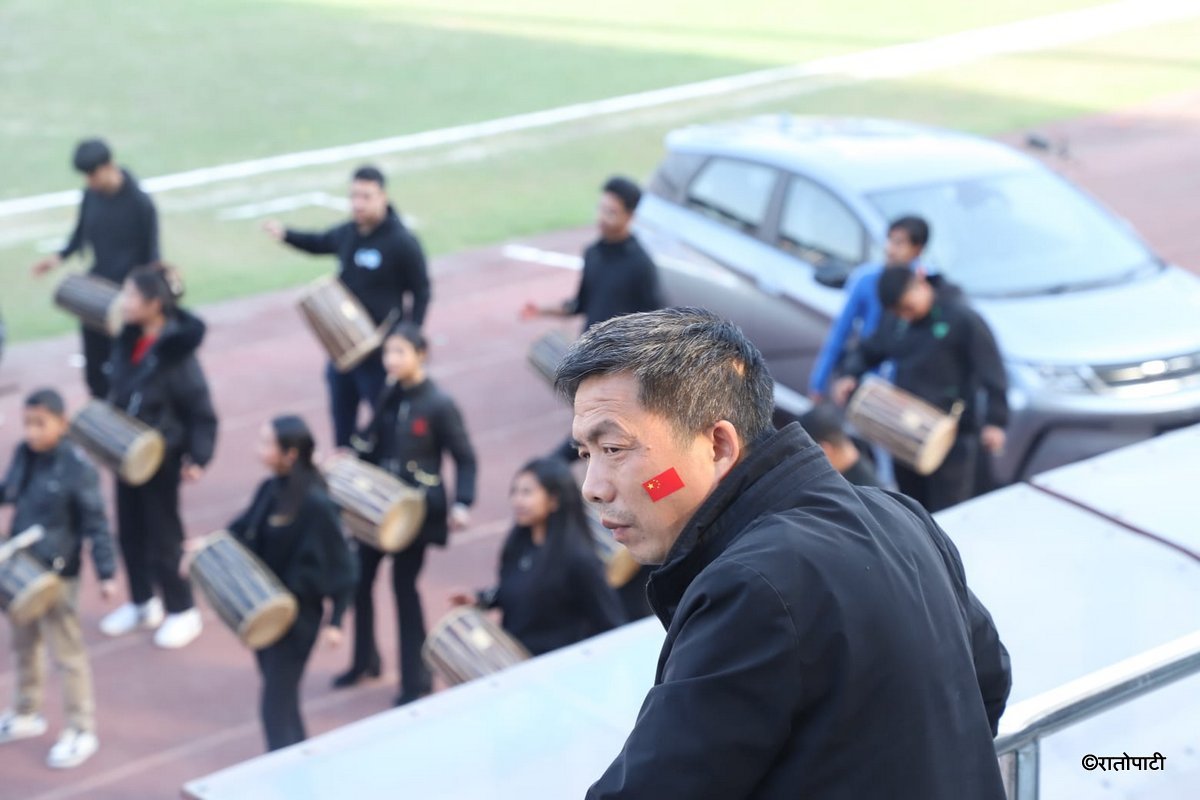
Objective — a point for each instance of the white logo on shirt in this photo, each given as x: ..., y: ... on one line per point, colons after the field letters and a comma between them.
x: 368, y: 259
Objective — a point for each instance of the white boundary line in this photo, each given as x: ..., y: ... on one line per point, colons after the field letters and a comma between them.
x: 1039, y: 33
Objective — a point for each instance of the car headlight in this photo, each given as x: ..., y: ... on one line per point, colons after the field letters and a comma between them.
x: 1065, y: 378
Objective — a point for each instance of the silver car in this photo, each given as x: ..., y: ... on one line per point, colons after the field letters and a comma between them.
x: 762, y: 220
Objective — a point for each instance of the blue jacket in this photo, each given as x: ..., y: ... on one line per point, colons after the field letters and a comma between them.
x: 860, y: 315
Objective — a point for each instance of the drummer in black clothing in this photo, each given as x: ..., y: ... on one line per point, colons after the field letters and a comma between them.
x: 118, y: 221
x: 944, y: 354
x: 293, y: 526
x: 415, y: 425
x: 381, y: 262
x: 552, y: 591
x: 618, y: 275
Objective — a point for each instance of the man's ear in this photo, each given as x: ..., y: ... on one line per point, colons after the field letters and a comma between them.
x: 727, y: 448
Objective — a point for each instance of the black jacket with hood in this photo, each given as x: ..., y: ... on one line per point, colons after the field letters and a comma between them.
x: 408, y: 435
x: 167, y: 389
x: 60, y: 491
x: 821, y: 644
x: 379, y: 267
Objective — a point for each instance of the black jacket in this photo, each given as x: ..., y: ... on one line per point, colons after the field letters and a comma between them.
x: 167, y: 389
x: 947, y: 356
x: 821, y: 644
x: 409, y: 433
x: 380, y: 268
x: 121, y: 229
x: 618, y: 278
x: 307, y: 553
x: 60, y: 491
x: 551, y: 597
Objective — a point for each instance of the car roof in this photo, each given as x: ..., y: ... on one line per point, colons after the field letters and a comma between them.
x: 856, y: 154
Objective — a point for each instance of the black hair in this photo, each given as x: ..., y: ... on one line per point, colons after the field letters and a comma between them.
x: 824, y: 424
x: 625, y: 190
x: 893, y: 283
x: 370, y: 173
x: 47, y: 399
x: 412, y: 334
x: 692, y: 367
x: 158, y: 281
x: 90, y: 155
x: 914, y: 227
x: 292, y: 433
x: 567, y: 535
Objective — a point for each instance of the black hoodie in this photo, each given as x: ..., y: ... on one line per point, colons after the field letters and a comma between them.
x: 167, y: 389
x: 821, y: 643
x: 120, y: 228
x: 379, y: 267
x: 948, y: 355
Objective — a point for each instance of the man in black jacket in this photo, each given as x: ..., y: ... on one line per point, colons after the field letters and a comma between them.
x: 821, y: 640
x: 381, y: 262
x: 51, y: 484
x: 944, y: 353
x: 118, y: 221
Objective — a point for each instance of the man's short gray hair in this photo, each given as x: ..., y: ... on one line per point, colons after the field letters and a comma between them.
x: 692, y: 367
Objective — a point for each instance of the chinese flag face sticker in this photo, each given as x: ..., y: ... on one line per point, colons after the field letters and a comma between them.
x: 420, y: 427
x: 663, y: 484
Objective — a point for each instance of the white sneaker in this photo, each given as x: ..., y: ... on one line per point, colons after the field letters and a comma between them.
x: 72, y: 749
x: 130, y: 617
x: 179, y: 630
x: 14, y: 726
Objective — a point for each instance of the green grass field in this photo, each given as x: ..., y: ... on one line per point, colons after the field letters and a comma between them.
x: 178, y: 85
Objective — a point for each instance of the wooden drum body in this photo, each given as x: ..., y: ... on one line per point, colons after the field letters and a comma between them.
x: 916, y: 432
x: 96, y: 301
x: 378, y: 508
x: 619, y: 564
x: 466, y: 645
x: 121, y: 443
x: 28, y: 589
x: 546, y: 352
x: 341, y: 324
x: 247, y: 597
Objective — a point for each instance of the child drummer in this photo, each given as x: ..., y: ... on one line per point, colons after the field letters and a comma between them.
x: 51, y: 484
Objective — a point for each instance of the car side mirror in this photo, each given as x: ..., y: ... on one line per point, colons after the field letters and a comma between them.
x: 833, y: 275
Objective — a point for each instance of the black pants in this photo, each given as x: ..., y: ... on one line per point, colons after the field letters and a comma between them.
x: 97, y: 347
x: 952, y: 483
x: 151, y: 536
x: 282, y: 667
x: 349, y: 390
x: 406, y: 566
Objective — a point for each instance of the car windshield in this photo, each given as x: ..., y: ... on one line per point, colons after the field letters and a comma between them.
x: 1021, y: 233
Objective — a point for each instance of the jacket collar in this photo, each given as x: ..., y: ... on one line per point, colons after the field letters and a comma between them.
x: 180, y: 337
x: 771, y: 478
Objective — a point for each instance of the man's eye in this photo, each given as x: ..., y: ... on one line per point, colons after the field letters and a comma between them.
x: 608, y: 451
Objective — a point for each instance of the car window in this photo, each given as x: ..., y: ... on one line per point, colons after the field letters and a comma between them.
x: 817, y: 227
x: 674, y: 173
x: 1020, y: 233
x: 734, y: 192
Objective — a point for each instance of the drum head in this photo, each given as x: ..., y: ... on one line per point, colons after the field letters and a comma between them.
x: 402, y: 522
x: 114, y: 321
x: 355, y: 355
x: 35, y: 599
x: 143, y: 458
x: 269, y: 622
x: 936, y: 446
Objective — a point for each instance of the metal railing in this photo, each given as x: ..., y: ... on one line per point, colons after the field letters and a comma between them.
x: 1025, y: 724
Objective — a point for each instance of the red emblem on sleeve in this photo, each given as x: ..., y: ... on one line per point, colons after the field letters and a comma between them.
x: 663, y: 484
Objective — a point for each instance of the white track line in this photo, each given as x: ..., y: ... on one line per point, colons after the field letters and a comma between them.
x: 536, y: 255
x: 1039, y: 33
x: 289, y: 203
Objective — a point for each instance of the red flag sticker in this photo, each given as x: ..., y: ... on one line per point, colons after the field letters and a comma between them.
x: 420, y: 427
x: 663, y: 484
